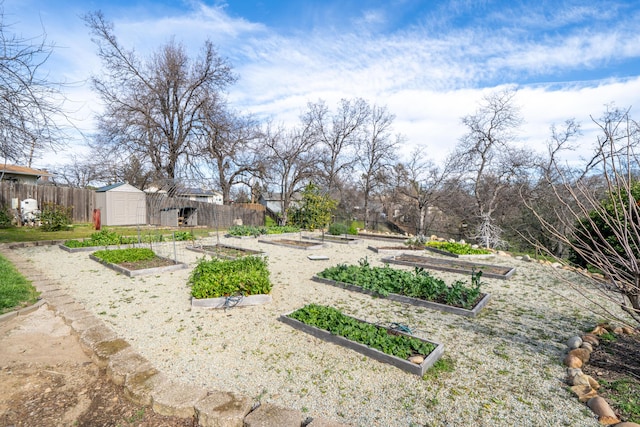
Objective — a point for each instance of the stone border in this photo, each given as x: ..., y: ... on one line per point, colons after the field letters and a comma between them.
x: 439, y: 264
x: 409, y: 300
x: 229, y: 302
x: 144, y: 271
x: 145, y: 385
x: 286, y: 245
x: 405, y: 365
x: 22, y: 311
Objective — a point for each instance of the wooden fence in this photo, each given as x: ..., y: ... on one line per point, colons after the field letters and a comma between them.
x: 83, y: 202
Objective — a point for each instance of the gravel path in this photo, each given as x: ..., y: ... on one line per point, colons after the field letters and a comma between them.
x: 506, y: 361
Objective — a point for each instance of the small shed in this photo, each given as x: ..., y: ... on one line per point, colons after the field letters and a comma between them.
x: 179, y: 217
x: 121, y: 204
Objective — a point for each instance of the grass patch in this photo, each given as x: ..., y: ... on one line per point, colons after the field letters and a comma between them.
x: 15, y: 290
x: 444, y: 365
x: 625, y: 395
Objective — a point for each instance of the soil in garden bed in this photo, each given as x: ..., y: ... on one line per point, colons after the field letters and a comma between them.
x: 226, y: 251
x: 298, y: 243
x: 452, y: 265
x: 616, y: 361
x: 149, y: 263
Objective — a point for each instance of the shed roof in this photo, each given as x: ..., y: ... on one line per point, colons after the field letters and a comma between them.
x: 122, y: 186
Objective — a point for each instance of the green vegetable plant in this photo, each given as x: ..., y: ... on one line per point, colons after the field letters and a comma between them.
x: 416, y: 284
x: 119, y: 256
x: 456, y: 248
x: 216, y: 278
x: 249, y: 230
x: 378, y: 337
x: 106, y: 237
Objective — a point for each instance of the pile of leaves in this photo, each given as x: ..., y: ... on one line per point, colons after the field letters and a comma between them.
x: 130, y: 255
x: 216, y: 278
x: 456, y: 248
x: 416, y: 284
x: 333, y: 321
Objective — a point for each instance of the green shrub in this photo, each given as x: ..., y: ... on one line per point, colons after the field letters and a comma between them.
x: 6, y: 219
x: 222, y: 278
x: 55, y: 217
x: 118, y: 256
x: 353, y: 228
x: 337, y: 229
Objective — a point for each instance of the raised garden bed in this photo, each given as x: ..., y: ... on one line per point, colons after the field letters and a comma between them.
x: 393, y: 249
x: 453, y: 265
x: 334, y: 239
x: 480, y: 304
x: 452, y: 255
x: 225, y: 251
x: 93, y: 248
x: 153, y: 265
x: 384, y: 237
x: 434, y: 350
x: 239, y: 282
x: 291, y: 243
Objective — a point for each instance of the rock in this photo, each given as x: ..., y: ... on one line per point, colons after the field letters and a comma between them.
x: 584, y: 379
x: 572, y: 361
x: 584, y: 392
x: 556, y: 265
x: 574, y: 342
x: 526, y: 258
x: 618, y: 331
x: 627, y: 330
x: 598, y: 330
x: 416, y: 359
x: 587, y: 346
x: 581, y: 354
x: 628, y: 424
x: 601, y: 408
x: 571, y: 373
x: 462, y: 242
x: 591, y: 339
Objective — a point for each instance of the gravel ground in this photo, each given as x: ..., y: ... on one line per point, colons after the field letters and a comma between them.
x: 507, y: 368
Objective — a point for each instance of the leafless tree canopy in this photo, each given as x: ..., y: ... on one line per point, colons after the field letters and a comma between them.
x: 152, y: 107
x: 29, y: 104
x: 598, y: 214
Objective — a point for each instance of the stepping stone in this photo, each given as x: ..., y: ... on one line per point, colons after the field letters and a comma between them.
x: 318, y: 257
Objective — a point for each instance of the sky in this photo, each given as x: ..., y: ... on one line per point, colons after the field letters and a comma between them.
x: 429, y: 62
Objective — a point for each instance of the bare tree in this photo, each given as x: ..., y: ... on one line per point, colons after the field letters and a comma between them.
x: 290, y: 162
x: 228, y: 147
x: 488, y: 160
x: 376, y: 154
x: 421, y: 182
x: 337, y: 135
x: 601, y: 231
x: 153, y: 107
x: 29, y: 103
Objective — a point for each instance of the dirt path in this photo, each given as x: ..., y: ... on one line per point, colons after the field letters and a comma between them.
x: 47, y: 380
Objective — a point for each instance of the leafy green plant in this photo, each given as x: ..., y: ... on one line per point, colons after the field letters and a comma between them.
x: 336, y: 229
x: 5, y: 218
x: 180, y: 236
x: 333, y: 321
x: 457, y: 248
x: 15, y: 290
x: 55, y: 217
x: 314, y: 210
x: 417, y: 284
x: 118, y: 256
x: 219, y: 278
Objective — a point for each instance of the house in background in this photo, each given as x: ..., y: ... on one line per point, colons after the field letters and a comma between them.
x: 121, y: 204
x: 23, y: 174
x: 201, y: 195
